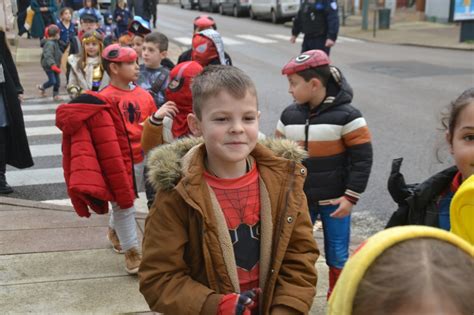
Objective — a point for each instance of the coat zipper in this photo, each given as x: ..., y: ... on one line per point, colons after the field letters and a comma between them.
x: 306, y: 134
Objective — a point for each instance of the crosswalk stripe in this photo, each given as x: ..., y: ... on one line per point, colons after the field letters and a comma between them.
x: 256, y: 39
x: 27, y: 108
x: 35, y: 176
x: 349, y: 40
x: 286, y: 38
x: 230, y: 41
x: 40, y: 150
x: 43, y: 117
x: 42, y: 131
x: 184, y: 40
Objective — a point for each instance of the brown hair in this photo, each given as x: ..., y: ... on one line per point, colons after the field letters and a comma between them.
x: 217, y: 78
x: 322, y: 73
x: 451, y: 115
x: 159, y: 39
x: 61, y: 12
x: 413, y: 269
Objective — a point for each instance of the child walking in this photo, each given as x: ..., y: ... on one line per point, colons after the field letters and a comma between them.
x: 87, y: 72
x: 153, y: 76
x: 90, y: 7
x: 51, y: 61
x: 66, y: 27
x: 135, y: 106
x: 122, y: 17
x: 430, y: 203
x: 230, y: 231
x: 337, y: 139
x: 169, y: 122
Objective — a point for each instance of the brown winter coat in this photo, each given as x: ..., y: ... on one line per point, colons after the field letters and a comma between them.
x: 188, y: 261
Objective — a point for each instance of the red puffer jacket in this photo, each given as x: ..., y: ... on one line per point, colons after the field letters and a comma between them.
x: 97, y: 157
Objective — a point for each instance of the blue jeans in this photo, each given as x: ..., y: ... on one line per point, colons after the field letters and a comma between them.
x: 337, y: 233
x: 54, y: 81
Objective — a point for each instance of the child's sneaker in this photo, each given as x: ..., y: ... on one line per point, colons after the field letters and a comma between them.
x: 42, y: 91
x: 114, y: 241
x: 133, y: 258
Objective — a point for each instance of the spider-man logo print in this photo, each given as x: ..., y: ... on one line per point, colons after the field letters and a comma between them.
x: 131, y: 112
x: 241, y: 207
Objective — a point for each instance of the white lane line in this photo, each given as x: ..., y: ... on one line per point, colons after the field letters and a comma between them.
x: 256, y: 39
x: 348, y: 40
x: 35, y: 176
x: 46, y: 150
x: 230, y: 41
x: 184, y: 40
x: 285, y: 38
x: 42, y: 117
x: 42, y: 131
x: 27, y: 108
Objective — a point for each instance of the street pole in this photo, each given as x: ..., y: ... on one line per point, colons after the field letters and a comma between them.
x: 365, y: 14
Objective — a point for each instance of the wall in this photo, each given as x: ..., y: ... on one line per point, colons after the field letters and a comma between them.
x: 437, y: 11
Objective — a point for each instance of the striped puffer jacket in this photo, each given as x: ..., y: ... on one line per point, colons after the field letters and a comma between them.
x: 338, y: 142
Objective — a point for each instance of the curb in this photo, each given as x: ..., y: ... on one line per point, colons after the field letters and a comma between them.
x: 7, y: 201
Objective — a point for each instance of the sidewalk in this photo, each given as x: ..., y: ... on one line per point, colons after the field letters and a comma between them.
x: 53, y: 261
x: 405, y: 29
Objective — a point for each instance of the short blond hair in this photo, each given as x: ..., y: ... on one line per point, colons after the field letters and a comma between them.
x: 217, y: 78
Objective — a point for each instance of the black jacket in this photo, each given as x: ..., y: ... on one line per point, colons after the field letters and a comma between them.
x: 417, y: 203
x: 17, y: 149
x: 337, y: 139
x: 317, y: 18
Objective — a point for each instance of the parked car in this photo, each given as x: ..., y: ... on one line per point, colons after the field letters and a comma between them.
x: 276, y: 10
x: 191, y: 4
x: 235, y: 7
x: 209, y: 5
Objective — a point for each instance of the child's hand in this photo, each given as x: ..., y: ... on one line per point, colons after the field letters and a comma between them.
x: 344, y: 209
x: 168, y: 109
x: 55, y: 69
x: 238, y: 304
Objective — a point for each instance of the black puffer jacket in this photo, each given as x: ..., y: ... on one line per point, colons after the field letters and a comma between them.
x: 337, y: 139
x: 417, y: 203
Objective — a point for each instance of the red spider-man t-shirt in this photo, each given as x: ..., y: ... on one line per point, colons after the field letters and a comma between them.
x: 136, y: 106
x: 239, y: 199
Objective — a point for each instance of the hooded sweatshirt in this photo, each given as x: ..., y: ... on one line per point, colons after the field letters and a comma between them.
x: 97, y: 156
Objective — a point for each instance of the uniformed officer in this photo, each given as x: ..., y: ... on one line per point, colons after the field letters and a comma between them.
x: 319, y: 21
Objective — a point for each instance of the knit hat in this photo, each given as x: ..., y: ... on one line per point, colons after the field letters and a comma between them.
x: 308, y: 59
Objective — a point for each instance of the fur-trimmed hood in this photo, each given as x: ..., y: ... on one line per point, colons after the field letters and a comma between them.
x: 167, y: 163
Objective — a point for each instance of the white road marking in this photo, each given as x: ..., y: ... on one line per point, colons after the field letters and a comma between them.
x: 46, y: 150
x: 42, y: 131
x: 285, y: 38
x: 230, y: 41
x: 27, y: 108
x: 184, y: 40
x: 257, y: 39
x: 35, y: 176
x: 43, y: 117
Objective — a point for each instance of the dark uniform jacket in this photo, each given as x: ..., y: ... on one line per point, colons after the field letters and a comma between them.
x: 317, y: 18
x: 338, y: 142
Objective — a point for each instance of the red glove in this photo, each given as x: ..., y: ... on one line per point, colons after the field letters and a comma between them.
x: 55, y: 69
x: 238, y: 304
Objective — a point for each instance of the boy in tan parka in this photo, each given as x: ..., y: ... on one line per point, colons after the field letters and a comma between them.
x: 229, y: 232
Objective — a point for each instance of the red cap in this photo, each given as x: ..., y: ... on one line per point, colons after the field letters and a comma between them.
x: 117, y: 53
x: 204, y: 21
x: 308, y: 59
